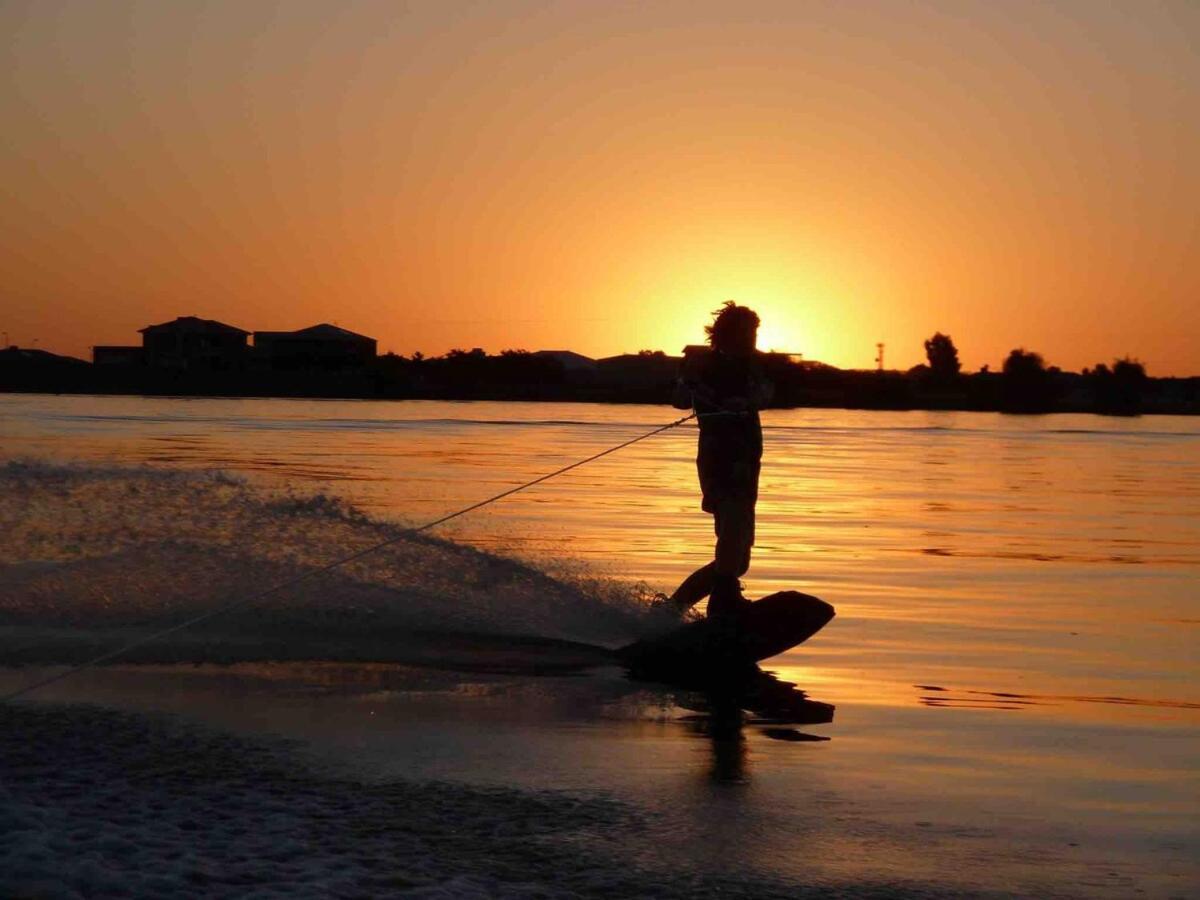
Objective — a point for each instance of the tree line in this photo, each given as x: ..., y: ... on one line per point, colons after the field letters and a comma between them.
x: 1024, y: 383
x: 1028, y: 384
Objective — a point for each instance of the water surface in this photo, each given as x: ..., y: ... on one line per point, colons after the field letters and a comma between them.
x: 1013, y: 663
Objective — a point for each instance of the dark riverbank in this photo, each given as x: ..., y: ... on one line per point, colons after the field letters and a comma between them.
x: 635, y: 378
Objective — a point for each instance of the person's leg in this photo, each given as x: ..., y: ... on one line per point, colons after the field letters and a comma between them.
x: 694, y: 588
x: 699, y: 584
x: 729, y: 490
x: 735, y: 537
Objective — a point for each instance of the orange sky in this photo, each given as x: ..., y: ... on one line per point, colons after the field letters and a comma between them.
x: 600, y: 175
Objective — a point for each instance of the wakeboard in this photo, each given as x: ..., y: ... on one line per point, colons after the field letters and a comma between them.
x: 766, y: 628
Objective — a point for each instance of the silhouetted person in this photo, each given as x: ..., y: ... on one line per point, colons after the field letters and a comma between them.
x: 724, y: 383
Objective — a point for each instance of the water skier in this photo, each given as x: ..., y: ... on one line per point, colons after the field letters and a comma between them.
x: 725, y: 384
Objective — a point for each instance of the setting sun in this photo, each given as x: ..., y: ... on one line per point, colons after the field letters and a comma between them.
x: 772, y: 337
x: 421, y: 172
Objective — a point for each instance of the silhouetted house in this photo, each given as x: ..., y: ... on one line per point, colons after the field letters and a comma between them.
x: 322, y: 346
x: 573, y: 363
x: 31, y: 356
x: 192, y: 343
x: 645, y: 369
x: 118, y: 356
x: 782, y: 357
x: 30, y: 369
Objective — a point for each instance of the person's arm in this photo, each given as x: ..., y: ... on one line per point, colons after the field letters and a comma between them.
x: 688, y: 393
x: 682, y: 398
x: 759, y: 391
x: 689, y: 387
x: 762, y: 391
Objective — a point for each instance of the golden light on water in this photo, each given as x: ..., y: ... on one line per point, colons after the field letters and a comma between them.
x: 1011, y: 669
x: 975, y: 563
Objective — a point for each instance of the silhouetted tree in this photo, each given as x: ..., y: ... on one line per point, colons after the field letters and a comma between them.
x: 1026, y: 384
x: 1022, y: 363
x: 1119, y: 390
x: 510, y: 373
x: 458, y: 353
x: 943, y: 357
x: 1129, y: 370
x: 525, y: 368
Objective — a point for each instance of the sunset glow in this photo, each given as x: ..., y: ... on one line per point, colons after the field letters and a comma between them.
x: 599, y: 177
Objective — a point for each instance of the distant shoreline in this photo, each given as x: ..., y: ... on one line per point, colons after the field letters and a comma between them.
x: 646, y: 377
x: 615, y: 398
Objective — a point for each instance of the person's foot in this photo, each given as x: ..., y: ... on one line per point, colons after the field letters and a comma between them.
x: 727, y: 603
x: 663, y: 603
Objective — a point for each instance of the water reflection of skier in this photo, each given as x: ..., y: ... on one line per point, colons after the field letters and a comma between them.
x: 726, y: 705
x: 725, y: 384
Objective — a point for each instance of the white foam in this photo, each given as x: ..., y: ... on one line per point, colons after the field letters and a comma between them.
x: 97, y: 554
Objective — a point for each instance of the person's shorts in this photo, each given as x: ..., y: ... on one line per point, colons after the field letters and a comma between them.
x: 733, y: 520
x: 727, y: 480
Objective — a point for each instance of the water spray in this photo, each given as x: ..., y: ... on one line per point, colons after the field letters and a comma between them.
x: 253, y: 599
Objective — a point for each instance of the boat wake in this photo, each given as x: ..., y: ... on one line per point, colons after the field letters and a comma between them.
x: 101, y: 556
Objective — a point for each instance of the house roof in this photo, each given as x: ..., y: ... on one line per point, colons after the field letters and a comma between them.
x: 192, y: 323
x: 569, y: 358
x: 651, y: 358
x: 323, y: 332
x: 15, y: 354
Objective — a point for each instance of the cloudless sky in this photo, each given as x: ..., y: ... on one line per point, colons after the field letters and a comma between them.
x: 599, y: 176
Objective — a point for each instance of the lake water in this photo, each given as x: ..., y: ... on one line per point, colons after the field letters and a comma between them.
x: 1014, y: 661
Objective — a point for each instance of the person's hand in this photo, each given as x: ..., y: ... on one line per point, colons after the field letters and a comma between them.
x: 681, y: 398
x: 689, y: 370
x: 703, y: 394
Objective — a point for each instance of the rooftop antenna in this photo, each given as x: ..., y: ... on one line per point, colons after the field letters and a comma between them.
x: 879, y: 358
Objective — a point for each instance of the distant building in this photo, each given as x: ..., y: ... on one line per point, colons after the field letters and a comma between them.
x: 32, y: 356
x: 784, y: 356
x: 112, y: 355
x: 768, y: 356
x: 30, y: 369
x: 321, y: 346
x: 571, y: 361
x: 638, y: 369
x: 192, y: 343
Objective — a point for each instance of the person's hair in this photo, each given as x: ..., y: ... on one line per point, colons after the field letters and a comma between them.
x: 729, y: 321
